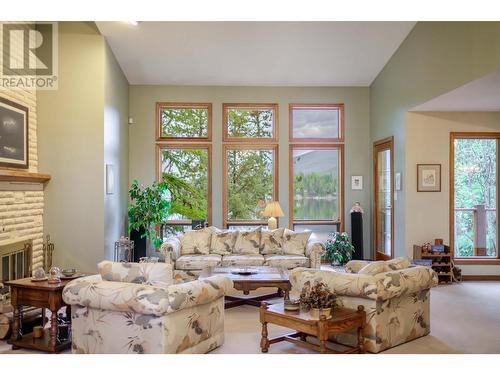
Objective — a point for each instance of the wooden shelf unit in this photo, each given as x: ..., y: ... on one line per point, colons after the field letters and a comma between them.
x: 442, y: 263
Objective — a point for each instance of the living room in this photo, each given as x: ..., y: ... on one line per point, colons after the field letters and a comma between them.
x: 179, y: 186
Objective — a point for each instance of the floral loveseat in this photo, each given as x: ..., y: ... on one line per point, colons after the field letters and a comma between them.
x: 134, y: 308
x: 195, y: 250
x: 396, y: 298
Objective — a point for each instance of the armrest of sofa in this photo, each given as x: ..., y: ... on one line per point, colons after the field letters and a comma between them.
x: 197, y: 292
x: 314, y: 250
x: 92, y: 291
x: 171, y: 249
x: 383, y: 286
x: 409, y: 280
x: 353, y: 266
x: 340, y: 283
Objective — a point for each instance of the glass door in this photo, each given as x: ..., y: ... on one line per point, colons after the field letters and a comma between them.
x: 384, y: 199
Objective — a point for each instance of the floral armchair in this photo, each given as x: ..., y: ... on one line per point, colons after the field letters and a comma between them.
x: 135, y: 308
x: 396, y: 301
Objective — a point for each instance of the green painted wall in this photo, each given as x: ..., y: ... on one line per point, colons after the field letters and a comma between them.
x: 435, y: 58
x: 357, y: 139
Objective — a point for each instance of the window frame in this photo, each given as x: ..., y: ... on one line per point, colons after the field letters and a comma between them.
x: 318, y: 106
x: 181, y: 146
x: 316, y: 146
x: 275, y: 131
x: 226, y: 147
x: 451, y: 209
x: 181, y: 105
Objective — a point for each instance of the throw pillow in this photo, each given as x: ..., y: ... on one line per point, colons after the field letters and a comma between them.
x: 137, y: 273
x: 248, y: 242
x: 398, y: 263
x: 196, y: 242
x: 271, y: 241
x: 295, y: 243
x: 222, y: 242
x: 373, y: 268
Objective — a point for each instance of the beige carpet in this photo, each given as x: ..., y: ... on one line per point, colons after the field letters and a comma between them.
x: 465, y: 318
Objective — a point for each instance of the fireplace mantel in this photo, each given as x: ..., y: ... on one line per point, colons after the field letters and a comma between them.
x: 23, y: 176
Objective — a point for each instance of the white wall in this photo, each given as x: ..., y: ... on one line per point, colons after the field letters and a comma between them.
x: 357, y: 134
x: 427, y: 141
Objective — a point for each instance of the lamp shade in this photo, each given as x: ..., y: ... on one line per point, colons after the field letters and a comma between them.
x: 273, y: 209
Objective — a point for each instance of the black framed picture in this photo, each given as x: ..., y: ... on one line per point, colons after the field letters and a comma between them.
x: 13, y: 134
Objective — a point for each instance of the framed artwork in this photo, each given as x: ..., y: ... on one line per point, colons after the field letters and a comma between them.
x: 357, y: 182
x: 428, y: 177
x: 13, y: 134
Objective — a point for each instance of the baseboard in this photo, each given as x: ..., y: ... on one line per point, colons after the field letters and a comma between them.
x: 481, y: 277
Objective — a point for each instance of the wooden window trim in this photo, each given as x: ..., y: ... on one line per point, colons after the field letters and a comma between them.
x: 181, y: 146
x: 227, y: 147
x: 176, y: 105
x: 273, y: 106
x: 451, y: 208
x: 315, y: 146
x: 340, y: 107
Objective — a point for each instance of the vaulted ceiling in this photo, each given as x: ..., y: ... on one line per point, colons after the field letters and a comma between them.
x: 254, y: 53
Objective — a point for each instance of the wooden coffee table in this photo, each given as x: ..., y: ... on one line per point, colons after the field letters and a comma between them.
x: 323, y: 329
x: 263, y: 277
x: 25, y: 292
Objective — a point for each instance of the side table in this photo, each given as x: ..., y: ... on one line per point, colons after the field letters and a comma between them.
x: 25, y: 292
x: 342, y: 320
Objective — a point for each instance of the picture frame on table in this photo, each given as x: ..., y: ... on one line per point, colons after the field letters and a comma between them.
x: 428, y: 177
x: 14, y: 134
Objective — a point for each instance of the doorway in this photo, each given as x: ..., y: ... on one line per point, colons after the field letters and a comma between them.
x: 383, y: 172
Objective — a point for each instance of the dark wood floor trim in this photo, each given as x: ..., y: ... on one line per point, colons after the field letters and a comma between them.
x: 481, y: 277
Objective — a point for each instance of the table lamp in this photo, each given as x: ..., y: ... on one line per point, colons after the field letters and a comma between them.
x: 273, y: 210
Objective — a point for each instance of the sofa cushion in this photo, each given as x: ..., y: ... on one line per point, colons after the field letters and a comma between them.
x: 196, y: 242
x: 242, y: 260
x: 159, y: 274
x: 197, y: 262
x: 247, y: 242
x: 397, y: 263
x: 295, y: 242
x: 222, y: 242
x: 286, y: 261
x: 374, y: 268
x: 271, y: 241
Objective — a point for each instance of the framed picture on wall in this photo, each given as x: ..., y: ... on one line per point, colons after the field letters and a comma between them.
x: 13, y: 134
x: 357, y: 182
x: 428, y: 177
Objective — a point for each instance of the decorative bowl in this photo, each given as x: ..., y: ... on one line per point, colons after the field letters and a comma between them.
x: 69, y: 272
x: 292, y: 305
x: 244, y: 272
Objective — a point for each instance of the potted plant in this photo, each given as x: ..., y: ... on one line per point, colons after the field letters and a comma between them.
x: 338, y: 248
x: 318, y: 299
x: 149, y: 208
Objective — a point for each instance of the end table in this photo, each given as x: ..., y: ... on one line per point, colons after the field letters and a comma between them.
x: 25, y: 292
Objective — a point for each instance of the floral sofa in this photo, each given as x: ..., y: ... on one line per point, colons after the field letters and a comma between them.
x: 135, y: 308
x: 396, y: 298
x: 195, y: 250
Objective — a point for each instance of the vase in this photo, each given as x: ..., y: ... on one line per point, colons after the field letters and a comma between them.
x: 316, y: 313
x: 140, y: 244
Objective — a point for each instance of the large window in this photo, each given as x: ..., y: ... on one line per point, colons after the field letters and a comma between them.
x: 183, y: 159
x: 189, y: 121
x: 186, y: 169
x: 250, y: 180
x: 316, y: 122
x: 250, y: 122
x: 474, y: 195
x: 316, y: 187
x: 316, y: 168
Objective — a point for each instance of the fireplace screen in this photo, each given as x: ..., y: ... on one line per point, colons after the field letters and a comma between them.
x: 15, y: 264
